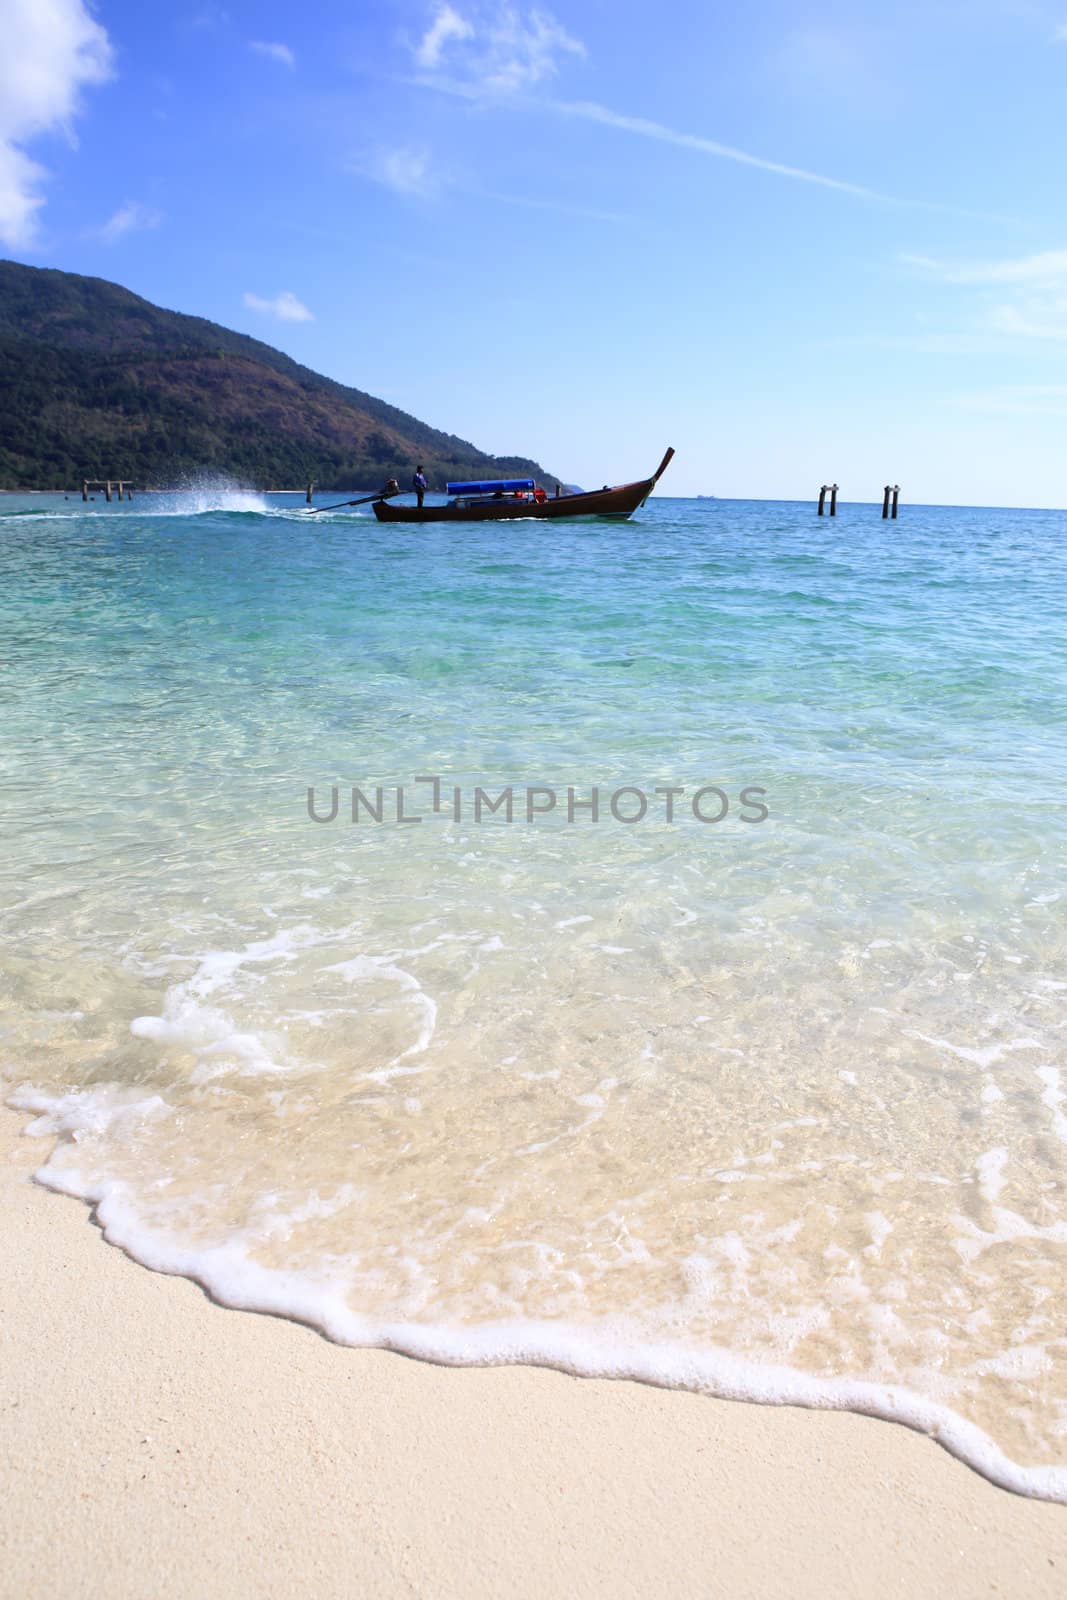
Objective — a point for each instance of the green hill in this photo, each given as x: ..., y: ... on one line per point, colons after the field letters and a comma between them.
x: 96, y: 382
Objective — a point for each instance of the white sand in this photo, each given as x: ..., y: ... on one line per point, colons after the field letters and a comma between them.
x: 153, y: 1444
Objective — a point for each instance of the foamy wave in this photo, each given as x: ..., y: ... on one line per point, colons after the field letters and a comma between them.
x: 207, y: 1032
x: 215, y: 495
x: 374, y: 966
x: 606, y: 1349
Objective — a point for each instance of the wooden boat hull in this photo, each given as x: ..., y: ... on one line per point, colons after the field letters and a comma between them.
x: 621, y: 501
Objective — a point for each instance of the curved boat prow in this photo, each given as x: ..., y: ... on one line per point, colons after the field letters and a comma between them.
x: 495, y: 499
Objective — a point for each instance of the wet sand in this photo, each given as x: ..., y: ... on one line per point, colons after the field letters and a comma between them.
x: 156, y: 1444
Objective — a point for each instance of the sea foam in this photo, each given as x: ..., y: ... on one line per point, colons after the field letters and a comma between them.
x: 609, y: 1348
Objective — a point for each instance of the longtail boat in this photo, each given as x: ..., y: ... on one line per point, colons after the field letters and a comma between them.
x: 496, y: 499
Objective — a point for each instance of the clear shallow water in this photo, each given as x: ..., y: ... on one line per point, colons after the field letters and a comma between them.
x: 772, y: 1109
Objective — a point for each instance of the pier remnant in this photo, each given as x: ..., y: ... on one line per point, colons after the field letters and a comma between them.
x: 123, y: 485
x: 831, y: 490
x: 889, y: 505
x: 311, y: 490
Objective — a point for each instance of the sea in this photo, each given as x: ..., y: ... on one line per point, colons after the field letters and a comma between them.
x: 635, y: 948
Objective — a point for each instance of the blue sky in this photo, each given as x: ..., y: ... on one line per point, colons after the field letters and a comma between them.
x: 797, y: 242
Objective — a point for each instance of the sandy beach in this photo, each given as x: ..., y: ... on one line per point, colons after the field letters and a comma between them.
x: 156, y: 1444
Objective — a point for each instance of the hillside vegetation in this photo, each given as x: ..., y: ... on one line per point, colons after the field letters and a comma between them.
x: 96, y: 382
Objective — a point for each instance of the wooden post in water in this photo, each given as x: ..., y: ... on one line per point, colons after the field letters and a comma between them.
x: 833, y: 499
x: 311, y: 490
x: 822, y: 499
x: 896, y: 498
x: 886, y: 492
x: 85, y: 488
x: 107, y: 490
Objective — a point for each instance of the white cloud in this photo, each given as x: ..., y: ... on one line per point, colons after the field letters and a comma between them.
x: 275, y: 52
x: 51, y: 50
x: 284, y: 306
x: 1040, y: 310
x: 1038, y: 317
x: 210, y: 18
x: 129, y: 218
x: 447, y: 24
x: 405, y: 169
x: 487, y: 88
x: 492, y: 56
x: 502, y: 50
x: 589, y: 111
x: 1046, y: 267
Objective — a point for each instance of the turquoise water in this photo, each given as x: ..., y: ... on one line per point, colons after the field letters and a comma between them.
x: 768, y: 1106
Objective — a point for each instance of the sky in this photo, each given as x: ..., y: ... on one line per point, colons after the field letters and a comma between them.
x: 802, y: 243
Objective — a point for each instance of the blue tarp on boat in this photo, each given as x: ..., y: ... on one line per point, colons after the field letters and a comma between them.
x: 492, y: 486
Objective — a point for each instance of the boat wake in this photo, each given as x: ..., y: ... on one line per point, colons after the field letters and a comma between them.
x: 214, y: 494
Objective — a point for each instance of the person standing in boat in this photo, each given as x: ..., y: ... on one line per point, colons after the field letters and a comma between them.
x: 418, y: 483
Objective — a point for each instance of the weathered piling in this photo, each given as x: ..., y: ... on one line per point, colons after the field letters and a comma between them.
x: 110, y: 486
x: 822, y: 499
x: 896, y: 499
x: 886, y: 492
x: 311, y: 491
x: 833, y: 499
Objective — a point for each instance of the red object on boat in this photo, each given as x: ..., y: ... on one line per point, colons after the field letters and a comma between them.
x: 621, y: 501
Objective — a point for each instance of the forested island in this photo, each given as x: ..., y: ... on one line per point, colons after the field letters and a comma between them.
x: 97, y: 382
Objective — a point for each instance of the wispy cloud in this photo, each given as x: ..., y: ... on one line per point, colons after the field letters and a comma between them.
x: 645, y: 127
x: 273, y: 51
x: 210, y: 18
x: 285, y: 307
x: 590, y: 111
x: 50, y: 54
x: 410, y: 170
x: 501, y: 49
x: 129, y: 218
x: 446, y: 27
x: 499, y: 55
x: 497, y: 62
x: 1037, y: 317
x: 1046, y: 267
x: 1039, y: 310
x: 406, y: 169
